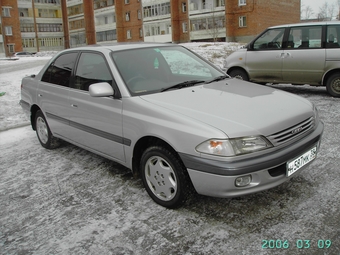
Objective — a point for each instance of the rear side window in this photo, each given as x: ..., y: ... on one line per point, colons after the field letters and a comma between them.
x: 333, y: 34
x: 92, y: 68
x: 59, y: 72
x: 305, y: 37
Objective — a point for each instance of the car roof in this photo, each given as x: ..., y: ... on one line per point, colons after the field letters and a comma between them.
x: 120, y: 46
x: 318, y: 23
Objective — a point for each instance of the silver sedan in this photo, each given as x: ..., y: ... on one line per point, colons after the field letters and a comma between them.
x: 174, y: 118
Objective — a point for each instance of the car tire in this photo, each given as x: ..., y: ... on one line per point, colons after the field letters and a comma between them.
x: 46, y: 139
x: 165, y: 177
x: 239, y: 74
x: 333, y: 85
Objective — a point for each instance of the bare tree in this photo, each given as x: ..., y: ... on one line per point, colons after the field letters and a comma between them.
x: 307, y: 12
x: 215, y: 25
x: 326, y: 11
x: 338, y: 10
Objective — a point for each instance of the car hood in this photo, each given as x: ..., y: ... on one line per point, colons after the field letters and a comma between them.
x: 236, y: 107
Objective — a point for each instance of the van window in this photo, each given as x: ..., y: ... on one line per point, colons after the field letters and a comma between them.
x: 305, y: 37
x: 271, y: 39
x: 59, y: 72
x: 332, y: 37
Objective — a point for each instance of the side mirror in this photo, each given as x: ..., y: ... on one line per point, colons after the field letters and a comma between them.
x: 101, y: 89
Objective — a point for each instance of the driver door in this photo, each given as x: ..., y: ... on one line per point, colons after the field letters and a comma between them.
x: 96, y: 122
x: 265, y: 57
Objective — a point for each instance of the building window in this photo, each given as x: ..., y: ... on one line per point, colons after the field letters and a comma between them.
x: 128, y: 34
x: 11, y: 48
x: 139, y: 14
x: 242, y: 2
x: 8, y: 31
x: 185, y: 27
x: 127, y: 16
x: 157, y: 10
x: 127, y: 1
x: 140, y: 32
x: 6, y: 11
x: 184, y: 7
x: 106, y: 20
x: 242, y: 21
x: 106, y: 35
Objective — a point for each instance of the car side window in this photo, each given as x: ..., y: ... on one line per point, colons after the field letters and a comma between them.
x: 305, y: 37
x: 92, y: 68
x: 332, y: 37
x: 59, y: 72
x: 270, y: 40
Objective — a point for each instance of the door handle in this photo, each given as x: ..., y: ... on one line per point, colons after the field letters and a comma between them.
x: 74, y: 105
x: 285, y: 55
x: 39, y: 95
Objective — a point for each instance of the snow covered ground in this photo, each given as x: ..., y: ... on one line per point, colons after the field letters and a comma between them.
x: 70, y: 201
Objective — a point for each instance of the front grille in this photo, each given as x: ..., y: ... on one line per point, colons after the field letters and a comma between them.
x: 292, y: 132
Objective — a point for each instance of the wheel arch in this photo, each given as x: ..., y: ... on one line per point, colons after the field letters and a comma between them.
x: 34, y: 110
x: 238, y: 68
x: 142, y: 144
x: 328, y: 74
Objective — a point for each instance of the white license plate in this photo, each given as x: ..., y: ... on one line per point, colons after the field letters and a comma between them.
x: 296, y: 164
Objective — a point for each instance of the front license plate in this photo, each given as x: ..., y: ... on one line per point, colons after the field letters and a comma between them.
x: 296, y: 164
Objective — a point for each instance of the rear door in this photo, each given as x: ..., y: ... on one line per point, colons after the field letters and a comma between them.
x: 265, y: 56
x: 304, y: 60
x: 53, y: 92
x: 95, y: 122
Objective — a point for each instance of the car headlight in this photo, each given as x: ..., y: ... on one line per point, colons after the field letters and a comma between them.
x: 234, y: 146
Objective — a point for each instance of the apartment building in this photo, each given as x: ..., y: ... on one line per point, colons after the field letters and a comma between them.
x: 37, y: 25
x: 31, y: 26
x: 214, y: 20
x: 246, y: 18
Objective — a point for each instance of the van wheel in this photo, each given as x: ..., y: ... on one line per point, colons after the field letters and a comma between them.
x: 239, y: 74
x: 165, y: 178
x: 333, y: 85
x: 46, y: 139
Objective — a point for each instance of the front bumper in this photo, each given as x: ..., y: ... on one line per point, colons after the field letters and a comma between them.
x: 217, y: 178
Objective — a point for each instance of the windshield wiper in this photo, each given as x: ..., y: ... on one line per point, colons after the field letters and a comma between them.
x: 219, y: 78
x: 183, y: 85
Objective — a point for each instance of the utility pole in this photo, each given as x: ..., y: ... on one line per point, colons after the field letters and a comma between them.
x: 65, y: 24
x: 35, y: 26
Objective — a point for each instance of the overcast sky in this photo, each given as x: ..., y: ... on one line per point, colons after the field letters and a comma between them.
x: 316, y: 4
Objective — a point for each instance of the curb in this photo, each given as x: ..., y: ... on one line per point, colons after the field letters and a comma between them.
x: 3, y: 129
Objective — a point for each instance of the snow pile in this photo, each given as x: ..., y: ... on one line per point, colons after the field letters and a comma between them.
x: 216, y: 53
x: 46, y: 54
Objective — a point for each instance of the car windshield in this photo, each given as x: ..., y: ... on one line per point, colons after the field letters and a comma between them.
x: 156, y: 69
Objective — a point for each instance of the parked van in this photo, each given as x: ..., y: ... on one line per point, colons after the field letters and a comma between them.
x: 303, y: 53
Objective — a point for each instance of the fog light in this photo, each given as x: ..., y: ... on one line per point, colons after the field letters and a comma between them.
x: 243, y: 181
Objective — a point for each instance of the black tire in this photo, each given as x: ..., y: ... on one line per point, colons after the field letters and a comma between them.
x: 239, y: 74
x: 46, y: 139
x: 333, y: 85
x: 165, y: 177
